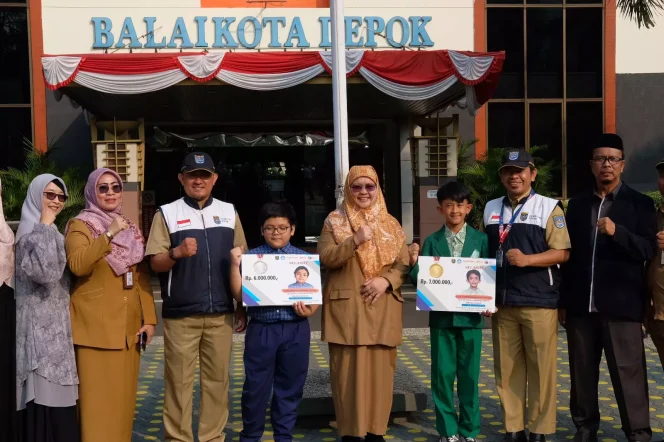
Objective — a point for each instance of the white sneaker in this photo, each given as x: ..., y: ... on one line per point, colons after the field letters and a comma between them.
x: 449, y: 439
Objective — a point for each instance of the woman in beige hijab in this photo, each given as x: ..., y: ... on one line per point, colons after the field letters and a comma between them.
x: 7, y: 329
x: 364, y: 250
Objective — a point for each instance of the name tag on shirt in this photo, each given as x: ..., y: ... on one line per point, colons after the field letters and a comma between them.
x: 128, y: 280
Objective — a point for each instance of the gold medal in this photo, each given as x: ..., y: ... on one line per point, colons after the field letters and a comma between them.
x: 436, y: 270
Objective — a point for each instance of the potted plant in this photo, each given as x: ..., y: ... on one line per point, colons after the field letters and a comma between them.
x: 15, y: 184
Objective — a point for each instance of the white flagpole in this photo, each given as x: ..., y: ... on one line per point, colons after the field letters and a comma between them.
x: 339, y: 95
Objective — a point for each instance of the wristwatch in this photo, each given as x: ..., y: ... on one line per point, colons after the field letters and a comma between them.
x: 170, y: 254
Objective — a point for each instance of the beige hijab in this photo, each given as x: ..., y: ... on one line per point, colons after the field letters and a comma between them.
x: 6, y: 249
x: 388, y: 236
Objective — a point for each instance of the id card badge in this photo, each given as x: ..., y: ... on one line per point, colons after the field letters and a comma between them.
x: 499, y: 258
x: 128, y: 280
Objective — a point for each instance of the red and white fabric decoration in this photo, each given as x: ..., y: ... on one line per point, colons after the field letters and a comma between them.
x: 405, y: 75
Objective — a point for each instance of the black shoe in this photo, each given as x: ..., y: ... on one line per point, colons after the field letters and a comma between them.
x: 584, y: 436
x: 534, y: 437
x: 373, y: 438
x: 351, y: 439
x: 519, y: 436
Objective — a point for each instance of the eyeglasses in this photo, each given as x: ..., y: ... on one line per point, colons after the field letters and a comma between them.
x: 357, y: 188
x: 272, y: 229
x: 196, y: 174
x: 600, y: 160
x: 103, y: 188
x: 51, y: 196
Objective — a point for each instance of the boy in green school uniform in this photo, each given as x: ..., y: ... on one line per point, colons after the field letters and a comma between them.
x: 456, y: 338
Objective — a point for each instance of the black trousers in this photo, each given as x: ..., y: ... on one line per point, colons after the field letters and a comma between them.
x: 622, y: 342
x: 38, y: 423
x: 7, y: 364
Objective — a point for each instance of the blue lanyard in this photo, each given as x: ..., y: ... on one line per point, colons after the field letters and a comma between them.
x: 504, y: 231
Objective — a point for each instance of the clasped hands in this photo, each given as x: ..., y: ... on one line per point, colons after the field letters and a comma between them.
x: 374, y: 288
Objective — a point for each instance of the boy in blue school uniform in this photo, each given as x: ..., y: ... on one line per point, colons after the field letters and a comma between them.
x: 456, y: 338
x: 276, y: 345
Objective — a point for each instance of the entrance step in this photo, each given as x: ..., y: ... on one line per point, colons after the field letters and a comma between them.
x: 410, y: 394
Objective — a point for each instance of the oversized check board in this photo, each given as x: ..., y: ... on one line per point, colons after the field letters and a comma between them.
x: 280, y: 280
x: 456, y: 284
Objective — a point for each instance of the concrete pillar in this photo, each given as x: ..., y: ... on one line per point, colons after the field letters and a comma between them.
x: 120, y: 146
x: 131, y: 203
x: 406, y: 130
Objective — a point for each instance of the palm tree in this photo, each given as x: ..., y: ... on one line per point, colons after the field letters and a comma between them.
x: 641, y: 11
x: 15, y: 184
x: 482, y: 178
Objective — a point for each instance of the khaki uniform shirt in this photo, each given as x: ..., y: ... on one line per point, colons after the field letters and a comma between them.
x: 656, y: 276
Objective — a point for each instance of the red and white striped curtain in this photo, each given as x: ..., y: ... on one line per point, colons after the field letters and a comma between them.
x: 405, y: 75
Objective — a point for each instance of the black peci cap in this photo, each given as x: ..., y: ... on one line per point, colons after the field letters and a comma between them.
x: 612, y: 141
x: 517, y: 158
x: 197, y: 161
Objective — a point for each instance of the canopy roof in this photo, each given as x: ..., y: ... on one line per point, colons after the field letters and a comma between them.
x: 440, y: 77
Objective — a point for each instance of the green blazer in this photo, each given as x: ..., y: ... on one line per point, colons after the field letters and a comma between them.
x: 436, y: 245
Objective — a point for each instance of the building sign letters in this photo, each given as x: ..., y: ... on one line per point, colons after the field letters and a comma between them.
x: 396, y: 31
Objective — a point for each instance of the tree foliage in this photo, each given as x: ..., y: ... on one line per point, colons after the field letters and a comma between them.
x: 641, y: 11
x: 15, y: 184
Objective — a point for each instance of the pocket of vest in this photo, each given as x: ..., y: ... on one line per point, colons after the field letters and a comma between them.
x: 341, y: 294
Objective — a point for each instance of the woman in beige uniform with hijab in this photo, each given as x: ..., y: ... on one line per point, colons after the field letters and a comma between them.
x: 112, y: 309
x: 365, y: 253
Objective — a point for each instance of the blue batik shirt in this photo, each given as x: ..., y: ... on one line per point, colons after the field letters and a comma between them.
x: 270, y: 315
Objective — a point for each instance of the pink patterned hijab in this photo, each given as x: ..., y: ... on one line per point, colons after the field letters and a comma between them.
x: 128, y: 246
x: 6, y: 249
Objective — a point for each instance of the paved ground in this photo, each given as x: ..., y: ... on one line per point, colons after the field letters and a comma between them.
x: 415, y: 354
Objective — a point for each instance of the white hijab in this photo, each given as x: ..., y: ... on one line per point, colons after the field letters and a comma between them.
x: 32, y: 206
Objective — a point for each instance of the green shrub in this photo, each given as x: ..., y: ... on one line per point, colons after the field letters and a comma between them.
x: 15, y: 184
x: 657, y: 198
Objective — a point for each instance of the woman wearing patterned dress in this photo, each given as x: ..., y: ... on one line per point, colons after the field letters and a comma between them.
x: 46, y: 377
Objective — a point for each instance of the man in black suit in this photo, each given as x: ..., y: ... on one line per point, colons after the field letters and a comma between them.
x: 603, y: 295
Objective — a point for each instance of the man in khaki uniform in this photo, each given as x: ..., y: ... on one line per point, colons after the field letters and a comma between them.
x: 655, y: 312
x: 189, y: 244
x: 528, y: 236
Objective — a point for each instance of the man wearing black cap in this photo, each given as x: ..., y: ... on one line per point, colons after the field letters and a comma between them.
x: 189, y: 245
x: 528, y: 236
x: 613, y: 234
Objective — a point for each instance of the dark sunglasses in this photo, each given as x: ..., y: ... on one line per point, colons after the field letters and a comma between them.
x: 52, y: 195
x: 357, y: 188
x: 103, y: 188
